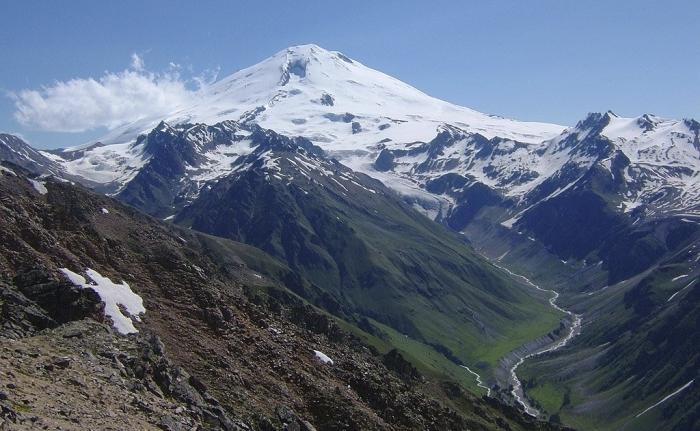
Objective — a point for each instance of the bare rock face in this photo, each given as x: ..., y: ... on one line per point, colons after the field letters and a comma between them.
x: 63, y: 301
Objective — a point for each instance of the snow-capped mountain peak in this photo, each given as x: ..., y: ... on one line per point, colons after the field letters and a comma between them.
x: 337, y: 102
x: 383, y: 127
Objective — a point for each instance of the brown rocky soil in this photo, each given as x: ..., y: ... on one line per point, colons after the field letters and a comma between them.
x: 82, y: 375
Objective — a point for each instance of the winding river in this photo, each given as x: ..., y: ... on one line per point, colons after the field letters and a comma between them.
x: 512, y: 361
x: 573, y: 324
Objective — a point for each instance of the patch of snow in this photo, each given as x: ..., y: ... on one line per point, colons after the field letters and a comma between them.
x: 7, y: 171
x: 74, y: 278
x: 664, y: 399
x: 597, y: 291
x: 499, y: 258
x: 628, y: 206
x: 510, y: 222
x: 114, y: 296
x: 322, y: 357
x: 221, y: 159
x: 199, y: 270
x: 39, y: 186
x: 104, y: 164
x: 686, y: 286
x: 105, y: 211
x: 622, y: 128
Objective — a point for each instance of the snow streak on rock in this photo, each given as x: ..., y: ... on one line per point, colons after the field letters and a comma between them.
x: 114, y: 296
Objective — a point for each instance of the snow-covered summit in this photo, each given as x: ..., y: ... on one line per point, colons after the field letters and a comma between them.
x: 651, y: 139
x: 417, y: 144
x: 335, y: 101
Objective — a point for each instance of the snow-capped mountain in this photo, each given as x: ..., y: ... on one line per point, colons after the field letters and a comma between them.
x: 653, y: 162
x: 13, y: 149
x: 337, y: 103
x: 664, y: 162
x: 185, y: 160
x: 381, y: 126
x: 448, y: 160
x: 334, y: 101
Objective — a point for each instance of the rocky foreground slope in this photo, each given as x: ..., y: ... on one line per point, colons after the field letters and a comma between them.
x: 223, y: 343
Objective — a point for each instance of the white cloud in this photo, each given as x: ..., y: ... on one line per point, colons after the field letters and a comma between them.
x: 206, y: 78
x: 137, y: 62
x: 112, y: 100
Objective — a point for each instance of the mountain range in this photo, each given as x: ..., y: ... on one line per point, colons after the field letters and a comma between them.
x: 414, y: 221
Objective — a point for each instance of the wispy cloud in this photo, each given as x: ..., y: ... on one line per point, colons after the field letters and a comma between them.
x: 114, y: 99
x: 137, y: 62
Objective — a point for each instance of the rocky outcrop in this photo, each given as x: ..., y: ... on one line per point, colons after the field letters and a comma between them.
x: 82, y: 375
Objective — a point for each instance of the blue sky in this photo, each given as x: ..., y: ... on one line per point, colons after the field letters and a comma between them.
x: 545, y: 60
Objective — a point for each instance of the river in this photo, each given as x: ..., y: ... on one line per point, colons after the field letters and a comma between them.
x: 543, y: 345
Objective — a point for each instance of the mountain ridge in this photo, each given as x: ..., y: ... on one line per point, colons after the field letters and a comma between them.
x: 299, y: 153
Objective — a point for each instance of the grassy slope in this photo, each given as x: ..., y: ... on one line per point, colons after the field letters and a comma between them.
x: 440, y: 319
x: 458, y: 335
x: 374, y: 257
x: 429, y: 362
x: 636, y: 348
